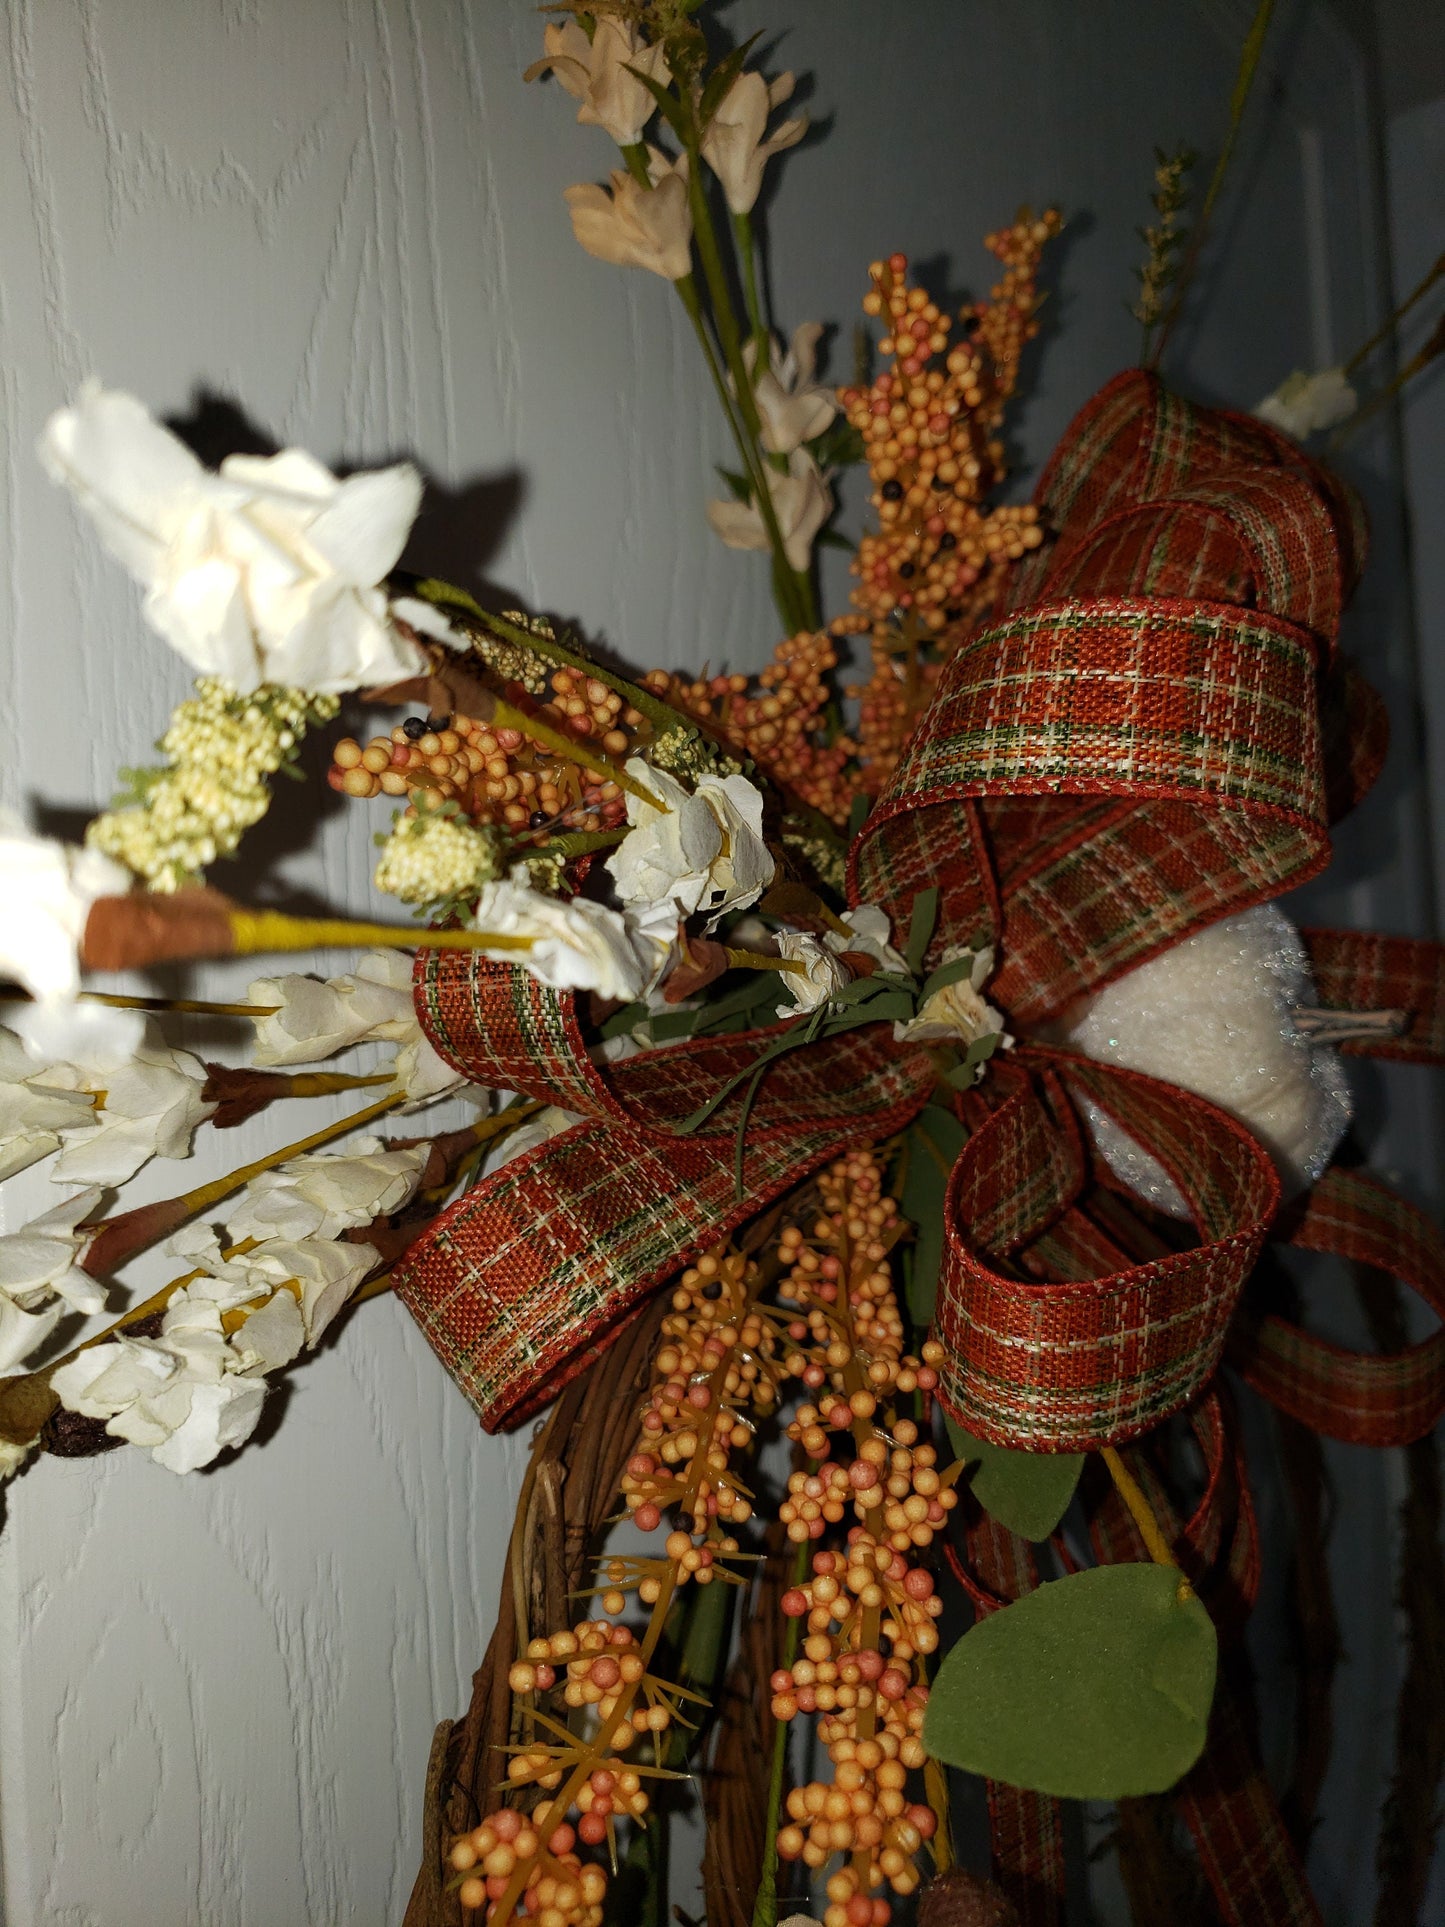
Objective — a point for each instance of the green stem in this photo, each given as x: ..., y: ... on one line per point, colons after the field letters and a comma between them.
x: 793, y: 589
x: 748, y: 255
x: 765, y: 1908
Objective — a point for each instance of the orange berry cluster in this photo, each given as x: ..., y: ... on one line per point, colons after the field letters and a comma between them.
x: 708, y: 1371
x: 502, y: 776
x: 931, y: 442
x: 869, y: 1612
x: 780, y: 719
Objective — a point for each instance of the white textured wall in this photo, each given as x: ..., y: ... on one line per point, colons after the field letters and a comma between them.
x: 216, y: 1694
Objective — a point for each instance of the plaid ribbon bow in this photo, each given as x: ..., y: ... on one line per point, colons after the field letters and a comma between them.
x: 1153, y: 735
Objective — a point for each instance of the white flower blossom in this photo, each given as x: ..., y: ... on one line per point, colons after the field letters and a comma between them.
x: 957, y: 1014
x: 32, y: 1116
x: 184, y: 1397
x: 633, y: 226
x: 323, y: 1194
x: 576, y: 944
x: 736, y: 144
x: 324, y: 1270
x: 703, y: 851
x: 802, y: 502
x: 595, y: 72
x: 265, y: 571
x: 47, y: 889
x: 823, y: 973
x: 869, y: 931
x: 308, y: 1020
x: 148, y: 1107
x: 1305, y: 404
x: 792, y: 407
x: 42, y: 1260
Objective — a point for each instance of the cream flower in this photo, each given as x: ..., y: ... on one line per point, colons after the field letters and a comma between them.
x: 264, y: 572
x: 322, y: 1195
x: 41, y: 1261
x: 1305, y: 404
x: 13, y: 1456
x: 634, y: 226
x: 957, y: 1014
x: 576, y: 944
x: 595, y: 72
x: 325, y: 1272
x: 734, y: 144
x: 825, y: 973
x: 802, y: 503
x: 792, y: 407
x: 869, y: 934
x: 47, y: 889
x: 703, y: 851
x: 147, y: 1108
x: 185, y: 1397
x: 308, y: 1020
x: 32, y: 1116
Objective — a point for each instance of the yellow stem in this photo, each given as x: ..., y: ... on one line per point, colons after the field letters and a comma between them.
x: 189, y: 1005
x: 569, y: 750
x: 205, y: 1195
x: 254, y: 931
x: 756, y: 960
x: 1131, y: 1492
x: 327, y: 1083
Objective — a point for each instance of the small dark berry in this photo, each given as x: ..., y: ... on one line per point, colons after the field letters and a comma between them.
x: 952, y: 615
x: 416, y: 727
x: 907, y: 571
x: 537, y: 819
x: 437, y: 724
x: 893, y: 491
x: 948, y: 540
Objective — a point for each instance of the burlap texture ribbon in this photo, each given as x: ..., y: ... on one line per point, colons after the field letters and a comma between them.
x: 1154, y: 734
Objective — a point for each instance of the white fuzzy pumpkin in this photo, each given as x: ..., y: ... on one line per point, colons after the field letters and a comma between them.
x: 1214, y: 1014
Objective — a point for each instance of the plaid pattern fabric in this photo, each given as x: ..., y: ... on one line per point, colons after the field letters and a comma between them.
x: 1178, y: 745
x: 1363, y: 1398
x: 1358, y: 970
x: 1068, y: 1363
x: 521, y: 1280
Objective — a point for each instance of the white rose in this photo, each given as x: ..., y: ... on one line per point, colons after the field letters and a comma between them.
x: 822, y: 974
x: 957, y: 1014
x: 869, y: 931
x: 703, y: 851
x: 264, y: 572
x: 576, y: 944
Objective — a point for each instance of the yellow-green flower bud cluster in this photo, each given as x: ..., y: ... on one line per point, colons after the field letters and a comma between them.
x: 222, y: 748
x: 437, y: 858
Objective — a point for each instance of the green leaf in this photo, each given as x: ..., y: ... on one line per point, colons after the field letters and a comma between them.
x: 673, y: 110
x: 1029, y: 1492
x: 738, y: 485
x: 721, y: 79
x: 858, y: 814
x: 953, y: 972
x: 1095, y: 1687
x: 920, y: 927
x: 934, y: 1140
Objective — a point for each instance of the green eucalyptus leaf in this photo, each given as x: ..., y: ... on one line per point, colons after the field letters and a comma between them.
x: 1094, y: 1687
x: 1029, y: 1492
x: 956, y: 971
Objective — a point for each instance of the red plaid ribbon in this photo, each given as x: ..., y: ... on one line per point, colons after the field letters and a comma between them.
x: 1154, y: 734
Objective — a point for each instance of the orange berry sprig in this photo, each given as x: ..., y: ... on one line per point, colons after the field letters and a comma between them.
x: 930, y: 435
x: 869, y: 1612
x: 503, y: 776
x: 709, y: 1375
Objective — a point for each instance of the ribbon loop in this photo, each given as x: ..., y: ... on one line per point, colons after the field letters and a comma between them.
x: 1067, y: 1365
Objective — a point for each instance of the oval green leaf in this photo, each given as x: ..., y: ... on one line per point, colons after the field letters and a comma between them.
x: 1029, y: 1492
x: 1095, y: 1687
